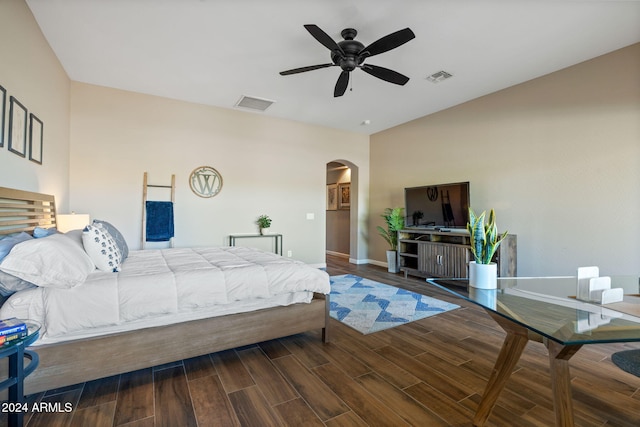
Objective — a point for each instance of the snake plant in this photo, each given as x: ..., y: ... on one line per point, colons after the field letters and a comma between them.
x: 484, y: 237
x: 394, y: 217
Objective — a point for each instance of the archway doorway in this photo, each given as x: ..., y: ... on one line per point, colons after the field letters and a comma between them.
x: 342, y: 208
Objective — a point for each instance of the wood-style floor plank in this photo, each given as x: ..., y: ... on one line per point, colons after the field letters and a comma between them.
x: 295, y: 413
x: 100, y: 415
x: 252, y: 408
x: 99, y: 392
x: 173, y: 405
x: 56, y: 418
x: 409, y: 409
x: 233, y: 374
x: 135, y: 397
x: 199, y: 367
x: 210, y: 403
x: 454, y: 390
x: 363, y: 403
x: 349, y: 419
x: 391, y: 372
x: 431, y: 372
x: 273, y: 386
x: 315, y: 392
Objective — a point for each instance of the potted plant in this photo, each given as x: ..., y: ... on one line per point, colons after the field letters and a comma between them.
x: 264, y: 222
x: 485, y: 240
x: 394, y: 218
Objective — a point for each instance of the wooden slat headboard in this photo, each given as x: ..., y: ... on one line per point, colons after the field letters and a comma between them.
x: 25, y: 210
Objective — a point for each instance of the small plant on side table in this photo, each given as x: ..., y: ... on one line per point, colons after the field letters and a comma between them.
x: 263, y: 222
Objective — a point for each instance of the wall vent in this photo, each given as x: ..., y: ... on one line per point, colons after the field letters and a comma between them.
x: 439, y: 76
x: 253, y: 103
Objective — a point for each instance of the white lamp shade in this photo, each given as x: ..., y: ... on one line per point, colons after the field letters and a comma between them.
x: 73, y: 221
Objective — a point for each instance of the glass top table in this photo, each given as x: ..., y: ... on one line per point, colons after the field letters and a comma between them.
x: 544, y: 309
x: 546, y: 306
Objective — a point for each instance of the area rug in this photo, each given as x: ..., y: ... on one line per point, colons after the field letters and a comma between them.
x: 368, y: 306
x: 628, y: 361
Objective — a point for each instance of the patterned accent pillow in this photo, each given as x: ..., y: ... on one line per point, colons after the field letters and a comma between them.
x: 117, y: 236
x: 101, y: 248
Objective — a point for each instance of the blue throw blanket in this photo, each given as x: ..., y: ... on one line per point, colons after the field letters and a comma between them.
x: 159, y: 221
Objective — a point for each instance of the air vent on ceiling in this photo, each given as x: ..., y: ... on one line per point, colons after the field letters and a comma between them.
x: 253, y: 103
x: 439, y: 76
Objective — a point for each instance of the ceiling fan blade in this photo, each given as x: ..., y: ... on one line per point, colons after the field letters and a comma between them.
x: 388, y: 42
x: 324, y: 38
x: 385, y: 74
x: 303, y: 69
x: 341, y: 84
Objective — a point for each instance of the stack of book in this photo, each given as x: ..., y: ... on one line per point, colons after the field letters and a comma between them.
x: 12, y: 329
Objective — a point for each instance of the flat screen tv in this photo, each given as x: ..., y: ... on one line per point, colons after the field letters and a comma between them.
x: 437, y: 206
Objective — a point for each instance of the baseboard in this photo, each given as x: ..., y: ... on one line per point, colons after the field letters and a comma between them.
x: 357, y: 261
x: 378, y: 263
x: 338, y: 254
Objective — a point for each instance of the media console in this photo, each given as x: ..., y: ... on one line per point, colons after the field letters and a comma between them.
x: 442, y: 252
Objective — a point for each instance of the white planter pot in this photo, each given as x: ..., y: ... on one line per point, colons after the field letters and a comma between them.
x: 264, y: 231
x: 392, y: 262
x: 483, y: 276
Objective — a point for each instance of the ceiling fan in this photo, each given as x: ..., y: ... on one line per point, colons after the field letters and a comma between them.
x: 350, y: 54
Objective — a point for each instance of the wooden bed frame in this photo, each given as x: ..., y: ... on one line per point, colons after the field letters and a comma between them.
x: 81, y: 360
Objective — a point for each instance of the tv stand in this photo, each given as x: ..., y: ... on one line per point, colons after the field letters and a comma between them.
x: 446, y: 253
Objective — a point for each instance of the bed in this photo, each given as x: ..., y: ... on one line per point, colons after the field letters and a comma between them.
x: 143, y: 329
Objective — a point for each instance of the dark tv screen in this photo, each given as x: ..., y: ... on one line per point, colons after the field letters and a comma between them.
x: 444, y: 205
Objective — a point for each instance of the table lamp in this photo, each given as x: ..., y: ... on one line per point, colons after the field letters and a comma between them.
x: 72, y: 221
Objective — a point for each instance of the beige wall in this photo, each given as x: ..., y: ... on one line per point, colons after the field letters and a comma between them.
x: 269, y: 166
x: 31, y: 72
x: 558, y: 157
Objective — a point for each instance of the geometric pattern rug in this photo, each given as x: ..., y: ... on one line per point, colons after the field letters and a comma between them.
x: 369, y: 306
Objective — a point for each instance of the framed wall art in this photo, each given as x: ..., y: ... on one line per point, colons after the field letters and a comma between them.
x: 332, y: 197
x: 3, y: 103
x: 344, y: 195
x: 35, y: 139
x: 17, y: 127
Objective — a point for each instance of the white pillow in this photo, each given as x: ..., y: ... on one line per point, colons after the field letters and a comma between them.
x: 11, y: 284
x: 54, y: 261
x: 102, y: 248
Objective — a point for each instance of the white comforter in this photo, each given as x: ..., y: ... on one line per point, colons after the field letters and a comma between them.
x: 165, y: 282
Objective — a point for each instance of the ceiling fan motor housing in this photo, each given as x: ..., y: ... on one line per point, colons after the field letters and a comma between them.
x: 351, y: 49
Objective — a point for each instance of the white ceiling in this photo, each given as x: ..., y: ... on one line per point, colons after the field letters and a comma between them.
x: 214, y: 51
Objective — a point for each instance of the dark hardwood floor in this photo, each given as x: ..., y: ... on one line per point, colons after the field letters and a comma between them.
x: 426, y: 373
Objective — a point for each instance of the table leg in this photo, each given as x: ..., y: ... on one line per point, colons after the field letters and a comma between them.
x: 559, y: 356
x: 16, y: 391
x: 512, y: 348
